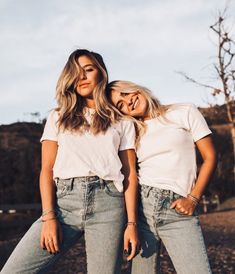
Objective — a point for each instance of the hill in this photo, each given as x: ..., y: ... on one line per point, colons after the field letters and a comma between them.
x: 20, y: 159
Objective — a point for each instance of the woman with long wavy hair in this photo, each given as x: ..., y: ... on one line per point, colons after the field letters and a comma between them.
x: 88, y: 179
x: 169, y: 187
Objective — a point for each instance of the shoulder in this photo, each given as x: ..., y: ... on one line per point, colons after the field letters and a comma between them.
x: 124, y: 125
x: 53, y: 115
x: 180, y: 109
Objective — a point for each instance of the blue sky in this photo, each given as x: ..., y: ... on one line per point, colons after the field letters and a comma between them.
x: 141, y: 41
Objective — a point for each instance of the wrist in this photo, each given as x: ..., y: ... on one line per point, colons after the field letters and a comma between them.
x: 48, y: 219
x: 48, y: 215
x: 193, y: 198
x: 131, y: 223
x: 46, y: 212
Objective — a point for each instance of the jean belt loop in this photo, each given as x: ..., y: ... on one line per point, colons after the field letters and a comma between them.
x: 146, y: 190
x: 102, y: 183
x: 171, y: 195
x: 71, y: 184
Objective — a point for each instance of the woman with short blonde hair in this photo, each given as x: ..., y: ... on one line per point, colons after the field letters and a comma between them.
x: 169, y: 187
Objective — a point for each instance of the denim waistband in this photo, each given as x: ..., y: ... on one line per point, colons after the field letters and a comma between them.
x: 159, y: 192
x: 84, y: 179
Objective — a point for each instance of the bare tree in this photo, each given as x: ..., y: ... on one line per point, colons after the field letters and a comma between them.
x: 224, y: 68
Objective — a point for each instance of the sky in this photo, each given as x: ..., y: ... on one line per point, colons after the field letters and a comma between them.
x: 146, y: 42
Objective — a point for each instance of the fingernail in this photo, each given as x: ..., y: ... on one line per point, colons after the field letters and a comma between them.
x: 125, y: 252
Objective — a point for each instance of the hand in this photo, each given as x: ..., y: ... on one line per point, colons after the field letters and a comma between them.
x: 51, y: 236
x: 184, y: 206
x: 131, y: 239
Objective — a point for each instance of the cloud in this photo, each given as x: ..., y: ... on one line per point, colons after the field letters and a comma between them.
x: 144, y: 42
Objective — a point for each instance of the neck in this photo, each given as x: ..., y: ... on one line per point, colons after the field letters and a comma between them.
x: 90, y: 103
x: 146, y: 116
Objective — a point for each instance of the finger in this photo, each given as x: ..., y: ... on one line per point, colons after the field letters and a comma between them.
x: 126, y: 245
x: 47, y: 246
x: 50, y: 245
x: 173, y: 205
x: 56, y: 244
x: 133, y: 251
x: 52, y: 248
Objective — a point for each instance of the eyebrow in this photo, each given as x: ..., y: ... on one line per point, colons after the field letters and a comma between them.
x: 89, y: 65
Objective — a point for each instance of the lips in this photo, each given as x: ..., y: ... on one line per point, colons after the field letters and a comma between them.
x: 84, y: 85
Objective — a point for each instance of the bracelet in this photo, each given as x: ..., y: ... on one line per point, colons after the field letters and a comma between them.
x: 131, y: 223
x: 53, y: 218
x: 44, y: 213
x: 194, y: 199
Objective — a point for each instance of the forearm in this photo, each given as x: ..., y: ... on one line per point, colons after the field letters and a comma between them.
x: 130, y: 194
x: 204, y: 176
x: 47, y: 190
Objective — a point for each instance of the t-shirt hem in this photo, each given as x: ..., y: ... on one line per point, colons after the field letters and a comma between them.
x: 48, y: 138
x: 126, y: 148
x: 204, y: 134
x: 168, y: 187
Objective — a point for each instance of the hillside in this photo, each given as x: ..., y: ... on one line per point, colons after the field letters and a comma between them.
x: 20, y: 162
x: 20, y: 159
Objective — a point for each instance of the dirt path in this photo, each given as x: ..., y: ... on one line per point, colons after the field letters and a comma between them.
x: 219, y: 233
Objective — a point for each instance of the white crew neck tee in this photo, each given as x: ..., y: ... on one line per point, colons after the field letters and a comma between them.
x: 166, y: 154
x: 87, y: 154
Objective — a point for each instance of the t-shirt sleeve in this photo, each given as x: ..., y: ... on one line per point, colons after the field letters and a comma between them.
x: 197, y: 124
x: 127, y: 135
x: 51, y: 129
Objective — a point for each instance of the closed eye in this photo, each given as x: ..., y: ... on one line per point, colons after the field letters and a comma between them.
x: 119, y: 105
x: 123, y: 94
x: 89, y: 70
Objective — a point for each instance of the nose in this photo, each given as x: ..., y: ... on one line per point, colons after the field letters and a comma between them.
x: 82, y: 74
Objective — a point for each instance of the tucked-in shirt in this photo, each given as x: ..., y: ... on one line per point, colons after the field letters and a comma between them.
x: 166, y: 154
x: 86, y: 154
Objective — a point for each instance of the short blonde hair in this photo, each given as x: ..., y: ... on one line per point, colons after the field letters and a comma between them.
x: 154, y: 107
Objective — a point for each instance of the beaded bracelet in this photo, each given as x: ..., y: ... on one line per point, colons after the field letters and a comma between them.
x: 44, y: 213
x: 53, y: 218
x: 194, y: 199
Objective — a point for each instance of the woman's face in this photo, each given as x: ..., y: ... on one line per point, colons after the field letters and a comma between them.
x: 133, y: 104
x: 89, y: 77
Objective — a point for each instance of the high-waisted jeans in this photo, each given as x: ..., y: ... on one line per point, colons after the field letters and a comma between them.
x: 85, y: 205
x: 181, y: 235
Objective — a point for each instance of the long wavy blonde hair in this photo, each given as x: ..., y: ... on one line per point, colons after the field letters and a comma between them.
x: 154, y: 107
x: 71, y: 105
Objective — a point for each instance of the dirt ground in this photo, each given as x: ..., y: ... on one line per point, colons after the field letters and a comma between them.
x: 219, y: 234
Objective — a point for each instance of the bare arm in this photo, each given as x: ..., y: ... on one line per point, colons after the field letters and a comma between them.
x: 207, y: 150
x: 128, y: 159
x: 47, y: 188
x: 51, y: 233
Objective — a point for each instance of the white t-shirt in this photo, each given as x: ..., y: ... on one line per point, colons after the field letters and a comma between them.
x: 87, y: 154
x: 166, y: 154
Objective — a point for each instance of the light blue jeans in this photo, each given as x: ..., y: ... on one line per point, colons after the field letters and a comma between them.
x: 181, y: 235
x: 85, y: 205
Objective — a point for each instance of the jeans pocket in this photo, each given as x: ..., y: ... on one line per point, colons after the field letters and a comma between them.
x: 145, y: 190
x: 62, y: 188
x: 112, y: 191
